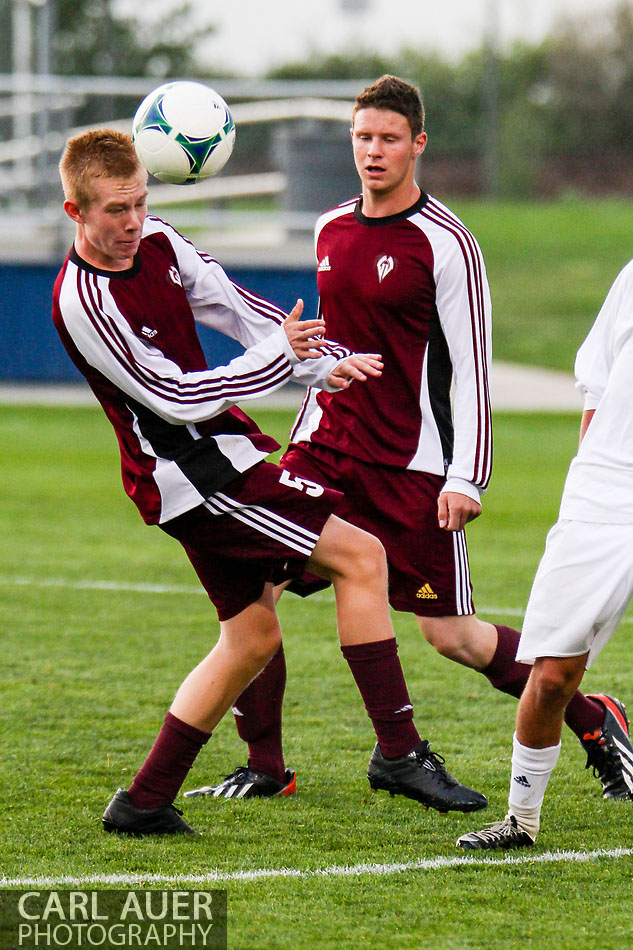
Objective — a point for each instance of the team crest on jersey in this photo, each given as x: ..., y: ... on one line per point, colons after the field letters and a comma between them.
x: 174, y: 273
x: 384, y: 266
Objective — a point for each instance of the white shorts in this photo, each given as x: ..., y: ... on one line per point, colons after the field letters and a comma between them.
x: 581, y: 589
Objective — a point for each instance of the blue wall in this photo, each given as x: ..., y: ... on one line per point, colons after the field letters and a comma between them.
x: 30, y: 350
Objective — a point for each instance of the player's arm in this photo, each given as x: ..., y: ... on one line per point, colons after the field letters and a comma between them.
x: 218, y: 302
x: 596, y: 359
x: 108, y: 342
x: 464, y: 309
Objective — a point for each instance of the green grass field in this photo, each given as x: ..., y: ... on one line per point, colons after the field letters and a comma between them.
x: 550, y: 266
x: 92, y: 658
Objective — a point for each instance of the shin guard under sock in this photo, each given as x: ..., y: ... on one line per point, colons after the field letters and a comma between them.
x: 258, y: 718
x: 378, y: 674
x: 159, y: 779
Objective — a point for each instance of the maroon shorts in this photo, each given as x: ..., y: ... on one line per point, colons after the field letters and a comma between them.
x: 428, y: 567
x: 261, y: 527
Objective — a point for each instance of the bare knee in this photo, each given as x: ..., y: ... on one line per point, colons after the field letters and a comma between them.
x: 370, y: 561
x: 437, y: 632
x: 464, y: 639
x: 265, y: 643
x: 364, y: 561
x: 553, y: 682
x: 266, y: 638
x: 254, y: 635
x: 345, y: 552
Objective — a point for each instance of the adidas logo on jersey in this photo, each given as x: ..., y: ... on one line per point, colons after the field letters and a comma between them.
x: 148, y: 332
x: 426, y: 592
x: 324, y: 264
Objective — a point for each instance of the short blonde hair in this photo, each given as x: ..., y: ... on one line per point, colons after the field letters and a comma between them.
x: 99, y: 153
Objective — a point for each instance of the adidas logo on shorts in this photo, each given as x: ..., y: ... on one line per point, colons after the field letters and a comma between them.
x: 426, y: 592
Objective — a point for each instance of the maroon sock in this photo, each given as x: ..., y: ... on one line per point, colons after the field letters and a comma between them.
x: 376, y: 668
x: 258, y: 718
x: 503, y: 670
x: 165, y: 768
x: 583, y: 715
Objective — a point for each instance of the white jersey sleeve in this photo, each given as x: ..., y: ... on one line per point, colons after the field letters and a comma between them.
x: 219, y: 303
x: 612, y: 326
x: 106, y: 340
x: 464, y: 310
x: 598, y: 484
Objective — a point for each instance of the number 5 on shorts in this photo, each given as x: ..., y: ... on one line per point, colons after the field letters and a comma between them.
x: 301, y: 484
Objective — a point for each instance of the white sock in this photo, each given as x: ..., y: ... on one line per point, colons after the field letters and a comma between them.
x: 531, y: 769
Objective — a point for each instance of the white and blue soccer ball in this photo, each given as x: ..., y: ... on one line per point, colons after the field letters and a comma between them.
x: 183, y: 132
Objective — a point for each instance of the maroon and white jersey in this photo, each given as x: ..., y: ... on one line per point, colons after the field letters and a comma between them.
x: 412, y: 287
x: 132, y: 335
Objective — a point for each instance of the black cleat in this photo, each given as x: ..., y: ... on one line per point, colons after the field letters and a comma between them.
x: 421, y: 775
x: 502, y: 834
x: 609, y: 752
x: 123, y: 817
x: 246, y: 783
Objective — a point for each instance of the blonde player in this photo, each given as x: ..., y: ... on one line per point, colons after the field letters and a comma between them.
x: 125, y: 304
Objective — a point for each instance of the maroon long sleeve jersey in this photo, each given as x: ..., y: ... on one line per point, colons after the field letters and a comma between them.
x: 412, y: 287
x: 133, y: 336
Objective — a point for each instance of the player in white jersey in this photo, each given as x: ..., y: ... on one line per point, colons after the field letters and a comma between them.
x: 125, y: 305
x: 585, y: 579
x: 398, y: 272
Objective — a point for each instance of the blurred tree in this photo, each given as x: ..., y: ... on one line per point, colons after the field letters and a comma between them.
x: 565, y: 108
x: 5, y: 36
x: 565, y: 113
x: 451, y: 97
x: 587, y: 101
x: 357, y: 65
x: 89, y: 39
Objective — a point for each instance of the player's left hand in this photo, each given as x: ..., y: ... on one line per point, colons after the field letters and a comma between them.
x: 305, y: 336
x: 455, y: 510
x: 357, y: 366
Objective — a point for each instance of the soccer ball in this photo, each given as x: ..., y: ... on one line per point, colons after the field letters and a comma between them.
x: 183, y: 132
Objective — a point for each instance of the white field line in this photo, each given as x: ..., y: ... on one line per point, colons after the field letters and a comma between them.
x: 346, y: 870
x: 147, y: 588
x: 136, y: 588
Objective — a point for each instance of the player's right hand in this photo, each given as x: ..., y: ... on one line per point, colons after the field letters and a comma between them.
x: 305, y: 336
x: 357, y: 366
x: 455, y: 511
